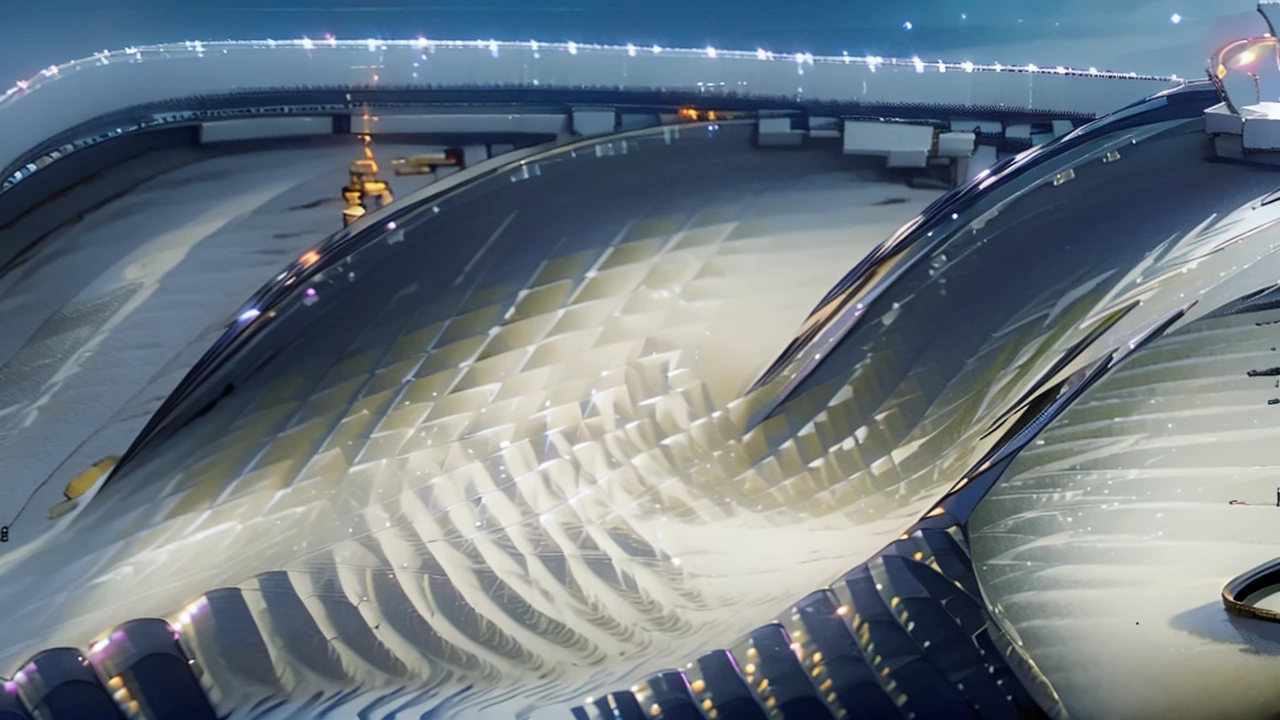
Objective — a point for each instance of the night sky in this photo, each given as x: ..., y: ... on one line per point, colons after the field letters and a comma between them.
x: 1139, y: 35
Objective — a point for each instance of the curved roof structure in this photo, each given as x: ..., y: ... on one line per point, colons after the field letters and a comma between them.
x: 614, y: 401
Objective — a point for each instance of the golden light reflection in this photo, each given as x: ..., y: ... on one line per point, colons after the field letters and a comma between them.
x: 1244, y: 56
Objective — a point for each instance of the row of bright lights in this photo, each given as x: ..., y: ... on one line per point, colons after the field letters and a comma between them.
x: 494, y: 47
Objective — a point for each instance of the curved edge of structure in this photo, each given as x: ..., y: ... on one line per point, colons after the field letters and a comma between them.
x: 1236, y: 594
x: 840, y: 310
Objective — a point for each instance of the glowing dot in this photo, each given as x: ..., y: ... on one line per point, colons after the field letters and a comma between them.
x: 249, y: 314
x: 573, y: 48
x: 631, y: 50
x: 1175, y: 18
x: 907, y: 25
x: 373, y: 45
x: 711, y: 52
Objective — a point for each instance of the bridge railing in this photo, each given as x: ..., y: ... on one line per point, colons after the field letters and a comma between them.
x: 64, y: 96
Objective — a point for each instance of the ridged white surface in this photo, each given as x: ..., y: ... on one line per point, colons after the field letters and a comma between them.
x: 1107, y: 543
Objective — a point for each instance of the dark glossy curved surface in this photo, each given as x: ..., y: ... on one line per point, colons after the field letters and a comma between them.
x: 60, y: 684
x: 1059, y: 223
x: 904, y: 635
x: 950, y: 214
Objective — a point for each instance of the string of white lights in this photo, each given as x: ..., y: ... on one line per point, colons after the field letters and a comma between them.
x: 496, y: 47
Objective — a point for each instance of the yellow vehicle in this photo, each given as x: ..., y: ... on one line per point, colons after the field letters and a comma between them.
x: 82, y: 484
x: 422, y: 164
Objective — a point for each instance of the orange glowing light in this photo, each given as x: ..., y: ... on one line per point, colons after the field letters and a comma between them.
x: 711, y: 114
x: 689, y: 113
x: 309, y: 258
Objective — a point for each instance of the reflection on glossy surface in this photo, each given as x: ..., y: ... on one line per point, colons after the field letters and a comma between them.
x: 1247, y: 74
x: 1252, y: 58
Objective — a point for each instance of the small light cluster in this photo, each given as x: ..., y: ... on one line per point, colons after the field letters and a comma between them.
x: 195, y: 608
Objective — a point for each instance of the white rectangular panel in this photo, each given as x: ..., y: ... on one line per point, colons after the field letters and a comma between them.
x: 447, y: 123
x: 877, y: 138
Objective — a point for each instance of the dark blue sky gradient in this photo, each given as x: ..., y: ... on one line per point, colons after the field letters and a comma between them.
x: 38, y: 34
